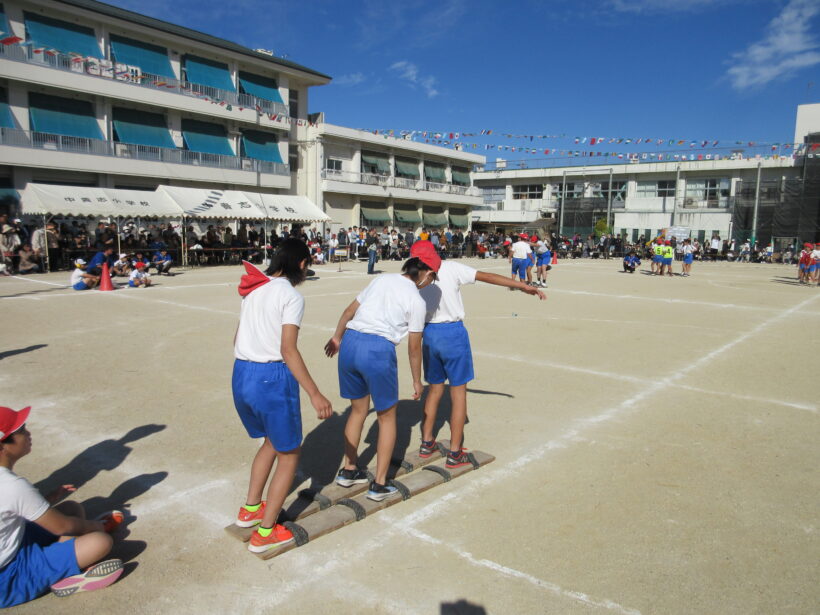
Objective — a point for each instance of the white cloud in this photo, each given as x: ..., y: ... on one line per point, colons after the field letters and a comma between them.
x: 350, y: 79
x: 410, y: 73
x: 788, y: 47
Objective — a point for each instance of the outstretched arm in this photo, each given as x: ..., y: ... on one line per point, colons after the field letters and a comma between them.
x: 499, y: 280
x: 332, y: 347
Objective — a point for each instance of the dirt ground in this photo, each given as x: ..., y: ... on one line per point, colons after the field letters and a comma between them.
x: 656, y: 443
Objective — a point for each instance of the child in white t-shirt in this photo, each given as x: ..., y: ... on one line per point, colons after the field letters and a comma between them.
x: 139, y: 277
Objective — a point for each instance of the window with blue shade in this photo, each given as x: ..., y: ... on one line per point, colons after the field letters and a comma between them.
x: 63, y: 116
x: 261, y: 87
x: 141, y: 128
x: 6, y: 118
x: 4, y: 23
x: 210, y: 73
x: 206, y: 138
x: 61, y: 35
x: 150, y: 58
x: 261, y: 146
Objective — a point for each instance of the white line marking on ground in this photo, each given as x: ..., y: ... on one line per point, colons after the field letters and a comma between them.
x: 511, y: 572
x: 642, y: 323
x: 17, y: 277
x: 148, y: 505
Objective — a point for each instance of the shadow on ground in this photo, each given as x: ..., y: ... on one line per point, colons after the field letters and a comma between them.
x: 462, y: 607
x: 10, y: 353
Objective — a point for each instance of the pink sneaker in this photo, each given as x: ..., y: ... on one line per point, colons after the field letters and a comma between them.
x: 95, y: 577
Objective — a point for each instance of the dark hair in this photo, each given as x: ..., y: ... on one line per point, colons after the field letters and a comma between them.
x: 413, y: 267
x: 288, y: 259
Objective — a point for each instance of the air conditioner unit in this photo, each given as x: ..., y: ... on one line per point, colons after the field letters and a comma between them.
x: 122, y: 150
x: 688, y: 202
x: 247, y: 164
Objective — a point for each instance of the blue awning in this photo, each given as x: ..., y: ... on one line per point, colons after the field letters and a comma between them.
x: 208, y: 72
x: 63, y: 116
x: 141, y: 128
x: 261, y: 146
x: 206, y: 138
x: 261, y: 87
x: 6, y: 118
x: 4, y: 23
x: 61, y: 35
x: 150, y: 58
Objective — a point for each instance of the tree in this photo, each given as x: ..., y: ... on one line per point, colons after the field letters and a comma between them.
x: 601, y: 228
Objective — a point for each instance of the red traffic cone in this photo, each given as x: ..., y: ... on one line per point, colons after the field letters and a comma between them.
x: 105, y: 279
x: 554, y: 258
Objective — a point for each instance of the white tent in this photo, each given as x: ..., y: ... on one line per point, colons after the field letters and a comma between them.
x: 45, y: 199
x: 288, y: 208
x: 203, y: 203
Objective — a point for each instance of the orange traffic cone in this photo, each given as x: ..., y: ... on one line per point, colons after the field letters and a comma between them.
x: 105, y: 279
x: 554, y: 258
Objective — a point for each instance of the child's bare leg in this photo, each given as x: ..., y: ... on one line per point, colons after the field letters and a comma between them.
x: 434, y: 394
x: 458, y: 416
x: 260, y: 471
x: 91, y: 548
x: 353, y: 430
x: 280, y: 484
x: 386, y: 443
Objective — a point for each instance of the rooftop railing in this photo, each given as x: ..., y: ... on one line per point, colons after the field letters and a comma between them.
x: 106, y: 69
x: 98, y: 147
x: 390, y: 181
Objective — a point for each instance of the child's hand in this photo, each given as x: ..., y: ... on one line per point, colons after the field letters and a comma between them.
x: 332, y: 347
x: 322, y: 406
x: 418, y: 389
x: 60, y: 493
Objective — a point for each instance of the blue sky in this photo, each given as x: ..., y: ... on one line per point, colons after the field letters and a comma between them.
x: 689, y: 69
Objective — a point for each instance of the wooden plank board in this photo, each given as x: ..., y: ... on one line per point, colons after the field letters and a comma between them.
x: 304, y: 504
x: 339, y: 515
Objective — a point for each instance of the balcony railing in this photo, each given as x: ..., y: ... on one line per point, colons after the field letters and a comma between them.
x: 106, y: 69
x: 97, y: 147
x: 389, y: 181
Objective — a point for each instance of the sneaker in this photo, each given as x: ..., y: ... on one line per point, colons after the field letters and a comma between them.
x: 348, y: 478
x: 95, y: 577
x: 427, y: 448
x: 111, y: 520
x: 278, y: 537
x: 456, y: 460
x: 378, y: 492
x: 246, y: 518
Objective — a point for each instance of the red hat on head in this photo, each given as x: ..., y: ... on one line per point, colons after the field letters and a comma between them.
x: 667, y: 243
x: 425, y: 251
x: 139, y: 265
x: 11, y: 421
x: 534, y: 238
x: 523, y: 236
x: 808, y: 245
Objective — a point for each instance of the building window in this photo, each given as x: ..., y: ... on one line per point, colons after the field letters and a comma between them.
x: 293, y: 157
x: 293, y: 102
x: 333, y: 166
x: 666, y: 187
x: 528, y: 191
x: 494, y: 195
x: 713, y: 191
x: 662, y: 188
x: 634, y: 235
x: 618, y: 191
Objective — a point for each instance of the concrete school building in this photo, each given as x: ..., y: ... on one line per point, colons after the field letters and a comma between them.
x: 770, y: 199
x: 92, y: 95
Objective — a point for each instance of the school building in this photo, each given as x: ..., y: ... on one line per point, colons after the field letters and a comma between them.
x: 770, y: 198
x: 98, y: 96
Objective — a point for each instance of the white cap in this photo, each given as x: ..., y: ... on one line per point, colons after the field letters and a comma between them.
x: 123, y: 255
x: 79, y: 261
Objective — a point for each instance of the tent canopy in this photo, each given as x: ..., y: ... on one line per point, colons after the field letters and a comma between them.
x: 99, y: 202
x: 288, y: 207
x: 204, y: 203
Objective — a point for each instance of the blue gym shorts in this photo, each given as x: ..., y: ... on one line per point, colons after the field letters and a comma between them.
x: 266, y: 396
x: 813, y: 268
x: 667, y: 261
x: 40, y: 562
x: 447, y: 354
x: 657, y: 259
x: 80, y: 286
x: 543, y: 259
x: 688, y: 259
x: 519, y: 267
x: 367, y: 366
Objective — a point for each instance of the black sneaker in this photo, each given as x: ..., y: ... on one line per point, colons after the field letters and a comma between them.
x: 427, y: 448
x: 348, y: 478
x: 457, y: 459
x: 378, y: 492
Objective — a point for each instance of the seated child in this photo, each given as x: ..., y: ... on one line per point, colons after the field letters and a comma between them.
x: 631, y: 261
x: 139, y: 277
x: 122, y: 266
x: 80, y: 279
x: 44, y: 546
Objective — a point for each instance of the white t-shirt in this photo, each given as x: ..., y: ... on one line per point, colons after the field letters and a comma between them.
x: 815, y: 254
x: 716, y: 244
x: 76, y: 276
x: 137, y: 275
x: 521, y: 249
x: 263, y: 312
x: 540, y: 247
x: 443, y: 298
x: 21, y: 502
x: 688, y: 248
x: 390, y: 306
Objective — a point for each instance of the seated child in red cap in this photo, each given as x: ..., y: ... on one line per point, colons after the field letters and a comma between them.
x: 366, y: 338
x: 44, y: 546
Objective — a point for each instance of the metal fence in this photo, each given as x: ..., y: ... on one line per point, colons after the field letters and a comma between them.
x: 97, y: 147
x: 389, y: 181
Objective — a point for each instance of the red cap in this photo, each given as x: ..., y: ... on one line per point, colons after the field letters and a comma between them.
x: 523, y: 236
x: 425, y: 251
x: 534, y: 238
x: 667, y: 243
x: 11, y: 421
x: 139, y: 265
x: 808, y: 245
